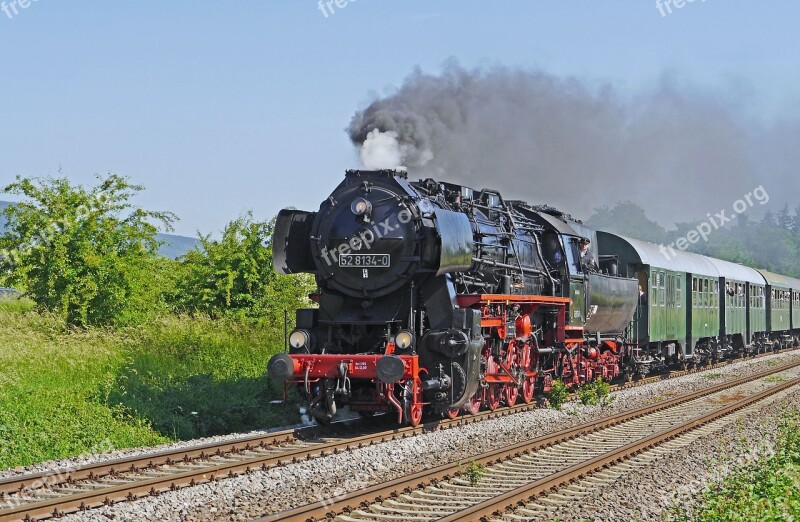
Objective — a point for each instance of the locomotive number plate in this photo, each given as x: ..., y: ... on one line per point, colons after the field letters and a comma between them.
x: 365, y: 260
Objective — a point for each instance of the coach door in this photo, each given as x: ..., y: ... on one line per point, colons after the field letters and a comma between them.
x: 672, y: 308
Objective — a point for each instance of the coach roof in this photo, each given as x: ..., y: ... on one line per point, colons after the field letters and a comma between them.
x: 735, y: 272
x: 781, y: 281
x: 659, y: 256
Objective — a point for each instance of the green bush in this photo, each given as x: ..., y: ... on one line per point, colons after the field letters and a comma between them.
x: 234, y: 276
x: 595, y: 392
x: 557, y: 395
x: 85, y: 255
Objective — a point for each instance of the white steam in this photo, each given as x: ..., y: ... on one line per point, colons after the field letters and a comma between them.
x: 383, y: 150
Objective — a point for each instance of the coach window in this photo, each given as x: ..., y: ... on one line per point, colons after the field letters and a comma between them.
x: 715, y: 294
x: 704, y: 290
x: 662, y: 288
x: 654, y: 288
x: 710, y: 293
x: 700, y: 293
x: 679, y: 290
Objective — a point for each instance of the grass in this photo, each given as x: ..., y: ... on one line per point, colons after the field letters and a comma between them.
x: 713, y: 375
x: 65, y: 392
x: 775, y: 378
x: 767, y: 490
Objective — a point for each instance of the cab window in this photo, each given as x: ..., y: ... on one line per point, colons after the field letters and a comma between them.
x: 574, y: 257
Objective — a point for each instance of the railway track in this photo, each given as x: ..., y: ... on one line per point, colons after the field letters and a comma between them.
x: 518, y: 474
x: 46, y: 495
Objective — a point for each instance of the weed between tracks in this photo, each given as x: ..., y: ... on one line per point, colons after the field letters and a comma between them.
x: 474, y: 472
x: 66, y: 392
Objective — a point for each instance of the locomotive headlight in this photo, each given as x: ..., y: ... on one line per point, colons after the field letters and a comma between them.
x: 404, y: 340
x: 361, y: 207
x: 299, y: 339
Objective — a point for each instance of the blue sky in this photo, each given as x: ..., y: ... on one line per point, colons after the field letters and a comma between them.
x: 222, y: 107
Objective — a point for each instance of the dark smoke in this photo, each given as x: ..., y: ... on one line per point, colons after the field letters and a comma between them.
x: 676, y: 151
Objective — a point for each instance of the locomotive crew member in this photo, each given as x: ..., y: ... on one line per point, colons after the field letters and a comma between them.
x: 588, y: 262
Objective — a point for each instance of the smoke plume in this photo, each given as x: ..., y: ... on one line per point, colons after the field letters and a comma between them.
x: 676, y: 151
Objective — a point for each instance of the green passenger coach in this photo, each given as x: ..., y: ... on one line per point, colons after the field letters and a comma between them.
x: 742, y: 305
x: 782, y: 320
x: 678, y: 320
x: 695, y: 309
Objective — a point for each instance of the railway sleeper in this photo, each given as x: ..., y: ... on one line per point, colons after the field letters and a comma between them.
x: 361, y: 516
x: 422, y: 500
x: 385, y: 509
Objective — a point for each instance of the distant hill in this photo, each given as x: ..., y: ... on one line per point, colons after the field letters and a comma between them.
x: 176, y: 246
x: 173, y: 247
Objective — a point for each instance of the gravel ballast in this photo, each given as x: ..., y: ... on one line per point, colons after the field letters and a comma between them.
x: 278, y: 489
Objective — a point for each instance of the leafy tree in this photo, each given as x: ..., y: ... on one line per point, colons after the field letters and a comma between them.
x: 234, y: 275
x: 785, y: 218
x: 86, y: 254
x: 796, y: 227
x: 629, y: 219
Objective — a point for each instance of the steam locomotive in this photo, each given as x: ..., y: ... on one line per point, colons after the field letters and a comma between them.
x: 434, y: 297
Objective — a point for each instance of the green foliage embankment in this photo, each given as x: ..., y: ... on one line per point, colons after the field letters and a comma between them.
x: 67, y: 391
